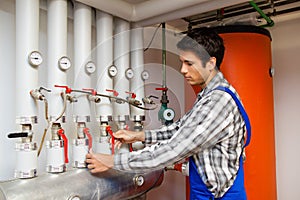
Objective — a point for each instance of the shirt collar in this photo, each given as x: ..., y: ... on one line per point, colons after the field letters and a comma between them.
x: 215, y: 81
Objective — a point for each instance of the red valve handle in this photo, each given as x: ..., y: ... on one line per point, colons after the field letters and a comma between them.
x: 65, y: 139
x: 163, y: 89
x: 114, y: 92
x: 68, y: 90
x: 133, y: 95
x: 87, y: 133
x: 108, y: 129
x: 93, y: 91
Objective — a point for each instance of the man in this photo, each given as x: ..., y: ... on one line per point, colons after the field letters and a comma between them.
x: 211, y: 134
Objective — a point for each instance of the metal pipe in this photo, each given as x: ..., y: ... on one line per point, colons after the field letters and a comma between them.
x: 121, y: 60
x: 104, y: 49
x: 57, y: 48
x: 270, y: 22
x: 80, y: 184
x: 82, y: 55
x: 137, y: 65
x: 164, y: 55
x: 27, y: 38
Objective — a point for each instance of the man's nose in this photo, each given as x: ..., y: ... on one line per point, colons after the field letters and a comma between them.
x: 183, y: 69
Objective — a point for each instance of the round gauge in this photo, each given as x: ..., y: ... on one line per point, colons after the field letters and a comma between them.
x: 112, y: 71
x: 90, y: 67
x: 145, y: 75
x: 64, y: 63
x: 169, y: 114
x: 35, y: 58
x: 129, y: 73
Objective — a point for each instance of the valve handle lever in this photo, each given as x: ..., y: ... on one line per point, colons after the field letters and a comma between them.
x: 61, y: 133
x: 17, y: 135
x: 108, y: 129
x: 87, y: 133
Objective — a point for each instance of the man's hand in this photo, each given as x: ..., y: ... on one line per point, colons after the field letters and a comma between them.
x: 125, y: 136
x: 99, y: 162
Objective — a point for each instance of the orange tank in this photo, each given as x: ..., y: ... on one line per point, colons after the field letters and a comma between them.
x: 247, y: 65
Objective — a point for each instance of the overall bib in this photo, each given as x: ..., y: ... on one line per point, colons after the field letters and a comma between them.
x: 199, y: 191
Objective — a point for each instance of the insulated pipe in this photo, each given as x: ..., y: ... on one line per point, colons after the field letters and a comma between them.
x: 104, y: 26
x: 81, y: 184
x: 57, y: 48
x: 104, y: 56
x: 137, y: 65
x: 121, y: 60
x: 82, y: 55
x: 27, y: 40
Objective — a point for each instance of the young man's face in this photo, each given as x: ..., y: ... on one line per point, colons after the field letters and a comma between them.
x: 193, y: 70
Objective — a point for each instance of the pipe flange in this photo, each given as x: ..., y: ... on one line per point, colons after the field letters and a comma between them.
x: 27, y: 120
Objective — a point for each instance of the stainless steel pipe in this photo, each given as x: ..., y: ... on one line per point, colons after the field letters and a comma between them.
x: 80, y: 184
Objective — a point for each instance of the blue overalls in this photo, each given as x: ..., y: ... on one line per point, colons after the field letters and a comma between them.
x: 199, y: 191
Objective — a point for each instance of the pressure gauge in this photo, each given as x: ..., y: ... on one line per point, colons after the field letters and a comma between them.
x: 64, y: 63
x: 90, y: 67
x: 112, y: 71
x: 35, y: 58
x: 145, y: 75
x: 129, y: 73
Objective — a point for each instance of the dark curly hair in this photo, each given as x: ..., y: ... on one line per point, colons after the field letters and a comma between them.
x: 205, y: 43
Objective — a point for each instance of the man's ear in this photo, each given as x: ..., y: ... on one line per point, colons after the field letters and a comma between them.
x: 211, y: 64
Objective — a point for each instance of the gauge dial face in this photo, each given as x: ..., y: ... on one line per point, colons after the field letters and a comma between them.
x: 64, y: 63
x: 112, y: 71
x: 35, y: 58
x: 145, y: 75
x: 90, y: 67
x: 129, y: 73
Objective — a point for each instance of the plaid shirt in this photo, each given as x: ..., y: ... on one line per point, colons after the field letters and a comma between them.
x: 212, y: 132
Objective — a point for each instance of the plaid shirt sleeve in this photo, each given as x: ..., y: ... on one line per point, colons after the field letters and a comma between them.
x: 210, y: 121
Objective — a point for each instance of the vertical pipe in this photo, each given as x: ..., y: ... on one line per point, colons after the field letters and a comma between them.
x: 82, y: 79
x: 164, y: 55
x: 82, y: 55
x: 121, y: 59
x: 104, y: 25
x: 57, y: 47
x: 104, y: 109
x: 27, y: 38
x: 137, y: 64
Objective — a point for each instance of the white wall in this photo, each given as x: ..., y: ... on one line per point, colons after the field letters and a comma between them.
x: 286, y: 61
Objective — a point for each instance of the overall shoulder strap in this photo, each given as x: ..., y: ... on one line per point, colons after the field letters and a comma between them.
x: 242, y: 111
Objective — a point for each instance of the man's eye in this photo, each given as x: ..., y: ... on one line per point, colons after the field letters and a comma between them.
x: 189, y: 64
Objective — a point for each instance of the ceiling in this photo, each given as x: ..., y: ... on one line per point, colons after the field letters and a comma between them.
x: 180, y: 14
x: 149, y: 12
